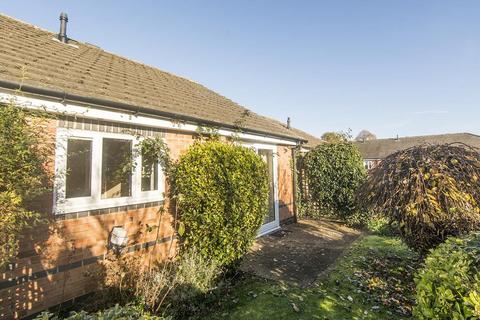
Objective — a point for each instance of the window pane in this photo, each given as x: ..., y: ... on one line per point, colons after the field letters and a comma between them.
x: 79, y: 164
x: 116, y: 168
x: 149, y: 175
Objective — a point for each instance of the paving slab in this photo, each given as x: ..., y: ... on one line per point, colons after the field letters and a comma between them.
x: 300, y: 252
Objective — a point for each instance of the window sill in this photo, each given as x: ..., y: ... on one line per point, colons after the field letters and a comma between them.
x: 88, y: 204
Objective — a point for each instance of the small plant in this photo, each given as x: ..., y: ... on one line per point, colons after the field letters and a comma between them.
x: 222, y: 199
x: 448, y: 286
x: 166, y: 287
x: 194, y: 275
x: 333, y: 172
x: 128, y: 312
x: 430, y: 191
x: 380, y: 225
x: 358, y: 219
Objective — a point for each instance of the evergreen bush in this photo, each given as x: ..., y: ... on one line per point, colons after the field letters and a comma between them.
x: 333, y: 172
x: 222, y: 198
x: 448, y: 286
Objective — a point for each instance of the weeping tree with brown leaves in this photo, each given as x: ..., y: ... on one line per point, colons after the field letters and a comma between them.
x: 430, y: 191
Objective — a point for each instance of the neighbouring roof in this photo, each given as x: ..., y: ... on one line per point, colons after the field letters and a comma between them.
x: 381, y: 148
x: 312, y: 141
x: 30, y: 55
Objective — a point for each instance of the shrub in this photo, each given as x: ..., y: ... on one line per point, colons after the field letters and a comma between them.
x: 358, y: 219
x: 333, y: 172
x: 168, y: 286
x: 431, y: 191
x: 24, y: 154
x: 222, y: 198
x: 128, y: 312
x: 13, y: 220
x: 380, y: 225
x: 195, y: 275
x: 448, y: 286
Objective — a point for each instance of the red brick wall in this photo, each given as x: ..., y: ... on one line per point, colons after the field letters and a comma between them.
x: 285, y: 184
x: 66, y: 248
x: 64, y: 243
x: 57, y: 258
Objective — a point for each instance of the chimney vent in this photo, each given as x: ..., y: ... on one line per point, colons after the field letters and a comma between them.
x: 288, y: 123
x: 62, y: 36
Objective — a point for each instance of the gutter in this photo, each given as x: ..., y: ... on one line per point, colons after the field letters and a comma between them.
x: 65, y: 96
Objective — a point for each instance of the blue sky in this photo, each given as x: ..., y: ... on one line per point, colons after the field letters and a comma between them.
x: 392, y: 67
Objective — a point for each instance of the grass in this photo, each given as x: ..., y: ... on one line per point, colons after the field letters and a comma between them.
x: 373, y: 280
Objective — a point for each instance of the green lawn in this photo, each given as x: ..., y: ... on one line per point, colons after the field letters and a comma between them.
x: 372, y: 281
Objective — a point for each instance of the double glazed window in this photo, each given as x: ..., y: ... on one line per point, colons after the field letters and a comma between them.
x: 100, y: 170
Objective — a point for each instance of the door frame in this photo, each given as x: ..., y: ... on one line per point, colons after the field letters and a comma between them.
x: 273, y: 225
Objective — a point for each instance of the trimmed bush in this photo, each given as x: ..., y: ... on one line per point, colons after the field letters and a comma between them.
x: 430, y: 191
x: 222, y: 198
x: 333, y: 172
x: 448, y: 286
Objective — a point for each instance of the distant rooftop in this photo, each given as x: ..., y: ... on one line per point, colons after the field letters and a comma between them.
x: 381, y: 148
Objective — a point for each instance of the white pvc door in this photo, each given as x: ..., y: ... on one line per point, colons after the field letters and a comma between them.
x: 272, y: 221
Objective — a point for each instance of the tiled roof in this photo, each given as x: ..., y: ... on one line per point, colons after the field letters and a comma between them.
x: 381, y: 148
x: 30, y: 55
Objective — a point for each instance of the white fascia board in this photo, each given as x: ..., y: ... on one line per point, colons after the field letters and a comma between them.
x: 125, y: 117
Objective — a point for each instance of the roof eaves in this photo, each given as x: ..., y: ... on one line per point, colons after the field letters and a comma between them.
x: 65, y: 96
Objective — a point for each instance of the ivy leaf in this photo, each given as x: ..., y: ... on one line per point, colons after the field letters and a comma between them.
x: 181, y: 229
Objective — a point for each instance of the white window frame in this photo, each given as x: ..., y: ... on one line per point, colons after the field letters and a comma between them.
x: 64, y: 205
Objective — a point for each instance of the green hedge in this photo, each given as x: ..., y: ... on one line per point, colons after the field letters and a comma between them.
x: 448, y: 287
x: 222, y: 198
x: 333, y: 172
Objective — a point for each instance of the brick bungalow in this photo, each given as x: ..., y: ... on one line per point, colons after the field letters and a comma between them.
x: 374, y: 151
x: 101, y: 100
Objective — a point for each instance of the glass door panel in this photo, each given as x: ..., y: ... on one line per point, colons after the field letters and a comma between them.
x: 267, y: 156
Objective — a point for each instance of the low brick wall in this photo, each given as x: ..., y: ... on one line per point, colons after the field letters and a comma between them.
x: 57, y: 259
